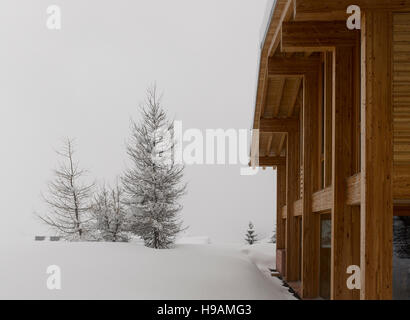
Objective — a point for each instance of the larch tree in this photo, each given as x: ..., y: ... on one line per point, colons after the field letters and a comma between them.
x: 69, y: 198
x: 153, y: 183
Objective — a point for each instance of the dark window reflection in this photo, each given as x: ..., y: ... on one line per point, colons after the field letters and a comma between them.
x: 401, y: 258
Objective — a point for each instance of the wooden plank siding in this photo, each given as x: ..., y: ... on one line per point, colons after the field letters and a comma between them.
x: 401, y: 105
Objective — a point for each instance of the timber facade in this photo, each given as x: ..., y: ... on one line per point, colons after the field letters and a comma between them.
x: 332, y: 116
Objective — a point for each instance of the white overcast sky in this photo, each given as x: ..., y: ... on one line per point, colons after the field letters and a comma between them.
x: 86, y: 81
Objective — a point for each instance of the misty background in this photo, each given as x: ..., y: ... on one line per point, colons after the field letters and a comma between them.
x: 87, y: 80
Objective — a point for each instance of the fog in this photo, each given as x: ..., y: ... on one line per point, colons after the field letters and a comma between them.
x: 86, y: 81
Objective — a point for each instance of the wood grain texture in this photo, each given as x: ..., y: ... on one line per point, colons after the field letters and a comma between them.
x: 328, y: 87
x: 322, y: 201
x: 353, y: 190
x: 292, y: 172
x: 310, y: 221
x: 315, y: 36
x: 279, y: 125
x: 377, y: 156
x: 342, y: 163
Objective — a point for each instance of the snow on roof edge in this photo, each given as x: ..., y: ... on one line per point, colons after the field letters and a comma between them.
x: 270, y: 8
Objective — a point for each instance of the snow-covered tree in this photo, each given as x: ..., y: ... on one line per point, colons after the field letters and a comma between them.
x: 110, y: 219
x: 69, y: 198
x: 251, y: 236
x: 153, y: 183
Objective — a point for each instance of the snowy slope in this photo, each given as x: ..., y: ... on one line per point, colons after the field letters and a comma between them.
x: 131, y: 271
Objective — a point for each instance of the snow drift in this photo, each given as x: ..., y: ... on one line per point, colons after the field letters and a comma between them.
x: 132, y: 271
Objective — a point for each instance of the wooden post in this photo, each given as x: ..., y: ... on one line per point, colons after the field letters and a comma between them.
x: 343, y: 226
x: 310, y: 221
x: 377, y: 156
x: 280, y: 222
x: 292, y: 181
x: 280, y: 202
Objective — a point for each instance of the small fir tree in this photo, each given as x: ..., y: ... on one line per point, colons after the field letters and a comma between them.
x: 251, y: 236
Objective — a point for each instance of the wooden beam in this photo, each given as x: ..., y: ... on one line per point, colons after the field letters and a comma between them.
x: 272, y: 161
x: 297, y: 208
x: 265, y: 88
x: 376, y: 156
x: 280, y: 145
x: 292, y: 66
x: 322, y: 201
x: 316, y: 10
x: 295, y: 97
x: 316, y: 36
x: 279, y: 125
x: 269, y: 146
x: 287, y: 14
x: 353, y: 190
x: 402, y: 209
x: 278, y: 100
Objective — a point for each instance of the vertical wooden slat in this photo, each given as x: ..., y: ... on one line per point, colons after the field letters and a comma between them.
x: 376, y: 156
x: 356, y: 135
x: 328, y: 74
x: 355, y: 236
x: 318, y: 176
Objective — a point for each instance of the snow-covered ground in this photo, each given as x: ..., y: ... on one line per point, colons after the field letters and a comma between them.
x: 132, y: 271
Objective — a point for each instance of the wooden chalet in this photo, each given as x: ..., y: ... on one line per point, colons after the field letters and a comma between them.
x: 333, y: 117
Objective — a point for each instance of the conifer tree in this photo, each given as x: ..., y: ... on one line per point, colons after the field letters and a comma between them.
x: 153, y: 183
x: 251, y: 236
x: 69, y: 198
